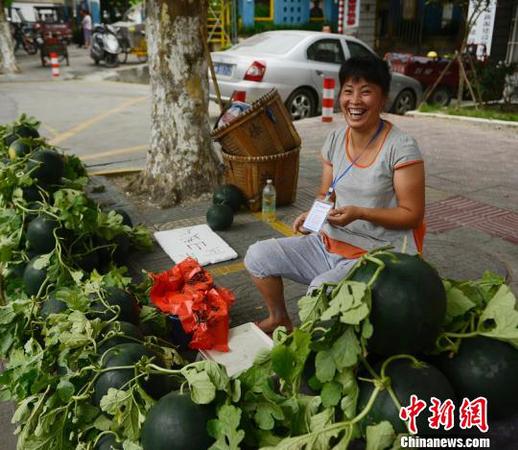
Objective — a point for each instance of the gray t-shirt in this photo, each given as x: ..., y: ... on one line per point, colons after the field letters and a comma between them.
x: 371, y: 187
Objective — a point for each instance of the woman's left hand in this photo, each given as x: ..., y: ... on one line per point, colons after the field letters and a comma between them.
x: 340, y: 217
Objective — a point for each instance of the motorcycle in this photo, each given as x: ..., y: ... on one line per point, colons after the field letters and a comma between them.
x: 105, y: 45
x: 25, y: 37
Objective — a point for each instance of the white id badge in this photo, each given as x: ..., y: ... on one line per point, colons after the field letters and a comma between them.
x: 317, y: 215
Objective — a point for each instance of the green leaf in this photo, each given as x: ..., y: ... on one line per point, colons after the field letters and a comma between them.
x: 350, y: 302
x: 65, y: 390
x: 126, y: 414
x: 225, y: 429
x: 266, y: 414
x: 283, y: 361
x: 346, y: 349
x: 380, y: 436
x: 202, y: 389
x: 312, y: 306
x: 350, y: 391
x: 500, y: 318
x: 42, y: 261
x: 325, y: 366
x: 457, y: 304
x: 331, y: 394
x: 130, y: 445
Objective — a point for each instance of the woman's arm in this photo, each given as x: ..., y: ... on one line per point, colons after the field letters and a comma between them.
x: 326, y: 179
x: 409, y: 212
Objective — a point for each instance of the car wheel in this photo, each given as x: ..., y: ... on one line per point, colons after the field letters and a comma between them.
x: 301, y: 104
x: 440, y: 96
x: 405, y: 101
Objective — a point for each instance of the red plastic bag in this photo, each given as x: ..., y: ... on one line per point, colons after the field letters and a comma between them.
x: 187, y: 291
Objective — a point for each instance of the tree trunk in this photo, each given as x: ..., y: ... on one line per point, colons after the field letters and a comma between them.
x: 7, y: 59
x: 180, y: 163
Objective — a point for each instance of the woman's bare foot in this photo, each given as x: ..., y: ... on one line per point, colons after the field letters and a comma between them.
x: 269, y: 324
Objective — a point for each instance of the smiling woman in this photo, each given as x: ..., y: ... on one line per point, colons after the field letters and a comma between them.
x: 373, y: 184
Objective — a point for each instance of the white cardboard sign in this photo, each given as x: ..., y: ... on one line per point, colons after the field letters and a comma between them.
x: 198, y: 242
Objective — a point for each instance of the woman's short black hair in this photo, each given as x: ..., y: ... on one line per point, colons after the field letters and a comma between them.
x: 371, y: 69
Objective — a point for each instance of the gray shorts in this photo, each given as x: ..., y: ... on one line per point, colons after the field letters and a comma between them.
x: 301, y: 259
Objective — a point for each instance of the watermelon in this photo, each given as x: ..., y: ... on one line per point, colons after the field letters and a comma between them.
x: 425, y: 381
x: 488, y: 368
x: 52, y: 305
x: 126, y: 219
x: 108, y: 442
x: 408, y: 304
x: 230, y: 195
x: 26, y: 131
x: 33, y: 278
x: 46, y: 166
x: 116, y: 299
x: 40, y: 234
x: 18, y: 149
x: 220, y: 217
x: 125, y: 331
x: 128, y: 354
x: 184, y: 420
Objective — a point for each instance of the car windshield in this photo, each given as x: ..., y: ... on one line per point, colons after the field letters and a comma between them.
x: 276, y: 44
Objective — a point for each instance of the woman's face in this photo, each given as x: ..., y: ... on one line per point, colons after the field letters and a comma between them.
x: 361, y: 103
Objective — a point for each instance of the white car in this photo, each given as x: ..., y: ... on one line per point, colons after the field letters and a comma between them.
x: 295, y: 63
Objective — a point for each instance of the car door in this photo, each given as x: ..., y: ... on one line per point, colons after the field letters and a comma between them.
x: 324, y: 57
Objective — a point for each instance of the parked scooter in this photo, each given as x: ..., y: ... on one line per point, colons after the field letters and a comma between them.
x: 25, y: 37
x: 105, y: 45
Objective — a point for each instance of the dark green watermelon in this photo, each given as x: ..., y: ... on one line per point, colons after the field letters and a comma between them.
x: 116, y: 299
x: 126, y: 332
x: 126, y: 219
x: 230, y: 195
x: 18, y: 149
x: 424, y: 381
x: 220, y: 217
x: 46, y: 166
x: 52, y: 305
x: 26, y: 131
x: 488, y: 368
x: 184, y: 420
x: 127, y: 355
x: 408, y: 304
x: 33, y: 278
x: 108, y: 442
x: 40, y: 234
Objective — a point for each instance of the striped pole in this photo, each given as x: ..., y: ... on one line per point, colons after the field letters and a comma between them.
x: 328, y: 99
x: 54, y: 64
x: 341, y: 16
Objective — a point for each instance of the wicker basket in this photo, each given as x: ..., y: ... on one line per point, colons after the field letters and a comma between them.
x: 249, y: 173
x: 265, y: 129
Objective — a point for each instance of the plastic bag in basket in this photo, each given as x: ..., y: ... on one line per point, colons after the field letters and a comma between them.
x: 187, y: 291
x: 232, y: 112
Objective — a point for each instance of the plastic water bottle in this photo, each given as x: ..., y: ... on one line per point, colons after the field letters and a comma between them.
x: 269, y: 198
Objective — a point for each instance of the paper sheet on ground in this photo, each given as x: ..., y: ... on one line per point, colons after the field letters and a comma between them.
x: 245, y: 342
x: 198, y: 242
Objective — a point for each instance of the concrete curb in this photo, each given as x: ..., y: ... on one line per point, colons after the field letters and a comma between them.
x: 496, y: 123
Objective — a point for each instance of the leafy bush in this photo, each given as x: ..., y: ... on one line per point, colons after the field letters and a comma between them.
x: 491, y: 78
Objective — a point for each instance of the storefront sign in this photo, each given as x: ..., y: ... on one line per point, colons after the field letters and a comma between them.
x: 481, y: 33
x: 352, y: 14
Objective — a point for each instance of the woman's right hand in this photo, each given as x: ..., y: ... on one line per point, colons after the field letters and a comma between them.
x: 298, y: 222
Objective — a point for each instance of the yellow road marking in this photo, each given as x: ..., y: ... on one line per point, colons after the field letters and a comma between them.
x: 122, y: 171
x: 51, y: 130
x: 118, y: 151
x: 277, y: 225
x: 88, y: 123
x: 227, y: 269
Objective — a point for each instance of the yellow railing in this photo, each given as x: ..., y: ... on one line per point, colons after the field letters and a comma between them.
x: 218, y: 23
